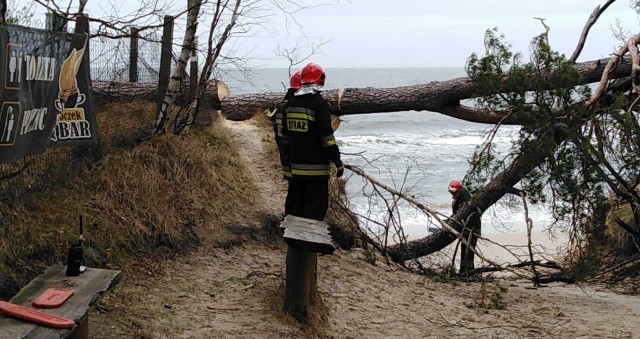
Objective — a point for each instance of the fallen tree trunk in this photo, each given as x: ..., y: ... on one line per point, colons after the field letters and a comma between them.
x: 110, y: 91
x: 438, y: 96
x: 533, y: 154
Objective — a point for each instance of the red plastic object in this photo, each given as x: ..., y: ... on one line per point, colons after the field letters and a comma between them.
x: 35, y: 316
x: 53, y: 297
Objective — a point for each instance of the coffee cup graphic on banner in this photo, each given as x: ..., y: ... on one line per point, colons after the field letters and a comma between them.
x: 68, y: 82
x: 72, y: 123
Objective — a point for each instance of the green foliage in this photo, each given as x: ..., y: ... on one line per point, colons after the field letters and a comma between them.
x: 547, y: 72
x: 599, y: 147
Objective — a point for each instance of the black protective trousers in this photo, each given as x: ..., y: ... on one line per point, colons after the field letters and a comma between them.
x: 308, y: 198
x: 466, y: 254
x: 291, y: 198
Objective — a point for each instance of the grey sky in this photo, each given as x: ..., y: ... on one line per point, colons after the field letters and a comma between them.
x: 422, y: 33
x: 419, y: 33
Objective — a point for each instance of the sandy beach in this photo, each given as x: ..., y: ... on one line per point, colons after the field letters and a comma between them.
x: 507, y: 248
x: 237, y: 293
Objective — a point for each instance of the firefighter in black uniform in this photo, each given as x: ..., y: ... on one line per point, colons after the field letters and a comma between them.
x: 277, y: 118
x: 311, y: 146
x: 471, y: 230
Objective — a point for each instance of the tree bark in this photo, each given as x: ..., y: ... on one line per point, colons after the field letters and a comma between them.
x: 108, y: 91
x: 3, y: 11
x: 83, y: 4
x: 438, y: 96
x: 213, y: 52
x: 533, y: 154
x: 173, y: 90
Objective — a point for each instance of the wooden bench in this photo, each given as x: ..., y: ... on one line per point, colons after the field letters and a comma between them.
x: 88, y: 287
x: 305, y: 238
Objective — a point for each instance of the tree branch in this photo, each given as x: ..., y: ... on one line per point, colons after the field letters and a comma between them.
x: 529, y: 223
x: 436, y: 96
x: 11, y: 175
x: 3, y: 11
x: 587, y: 27
x: 119, y: 25
x: 612, y: 67
x: 433, y: 213
x: 479, y: 115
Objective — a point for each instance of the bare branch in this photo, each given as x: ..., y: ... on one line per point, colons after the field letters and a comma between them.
x: 293, y: 56
x: 546, y: 29
x: 585, y: 31
x: 529, y: 223
x: 433, y: 213
x: 83, y: 3
x: 149, y: 10
x: 612, y: 65
x: 20, y: 170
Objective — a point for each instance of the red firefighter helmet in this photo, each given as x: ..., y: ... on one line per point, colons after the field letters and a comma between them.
x: 295, y: 82
x: 455, y: 186
x: 312, y: 74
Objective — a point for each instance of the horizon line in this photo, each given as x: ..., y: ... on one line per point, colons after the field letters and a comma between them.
x: 360, y: 67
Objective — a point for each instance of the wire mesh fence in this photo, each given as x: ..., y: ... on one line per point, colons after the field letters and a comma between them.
x: 119, y: 122
x: 111, y: 58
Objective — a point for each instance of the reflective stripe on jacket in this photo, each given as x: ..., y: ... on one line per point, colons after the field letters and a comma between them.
x: 309, y: 137
x: 278, y: 119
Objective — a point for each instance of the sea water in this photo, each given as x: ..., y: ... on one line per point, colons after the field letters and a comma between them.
x: 416, y: 152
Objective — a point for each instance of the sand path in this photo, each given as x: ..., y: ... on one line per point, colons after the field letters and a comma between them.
x: 236, y: 293
x: 250, y: 141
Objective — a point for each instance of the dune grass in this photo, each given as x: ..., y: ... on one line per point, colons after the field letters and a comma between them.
x: 161, y: 196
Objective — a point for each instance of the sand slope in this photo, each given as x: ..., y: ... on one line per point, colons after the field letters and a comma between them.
x: 236, y: 293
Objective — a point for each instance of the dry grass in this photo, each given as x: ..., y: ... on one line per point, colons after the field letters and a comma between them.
x: 162, y: 194
x: 615, y: 235
x: 612, y: 255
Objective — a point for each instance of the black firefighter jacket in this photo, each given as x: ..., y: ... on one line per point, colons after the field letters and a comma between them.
x: 278, y: 118
x: 308, y: 137
x: 463, y: 198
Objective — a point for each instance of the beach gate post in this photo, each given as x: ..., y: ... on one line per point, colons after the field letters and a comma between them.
x: 305, y: 238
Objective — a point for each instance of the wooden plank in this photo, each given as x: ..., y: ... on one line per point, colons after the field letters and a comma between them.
x: 319, y: 231
x: 307, y: 236
x: 293, y: 218
x: 88, y: 287
x: 310, y: 245
x: 306, y: 226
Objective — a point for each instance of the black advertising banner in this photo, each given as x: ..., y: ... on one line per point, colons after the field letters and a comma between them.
x: 45, y: 92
